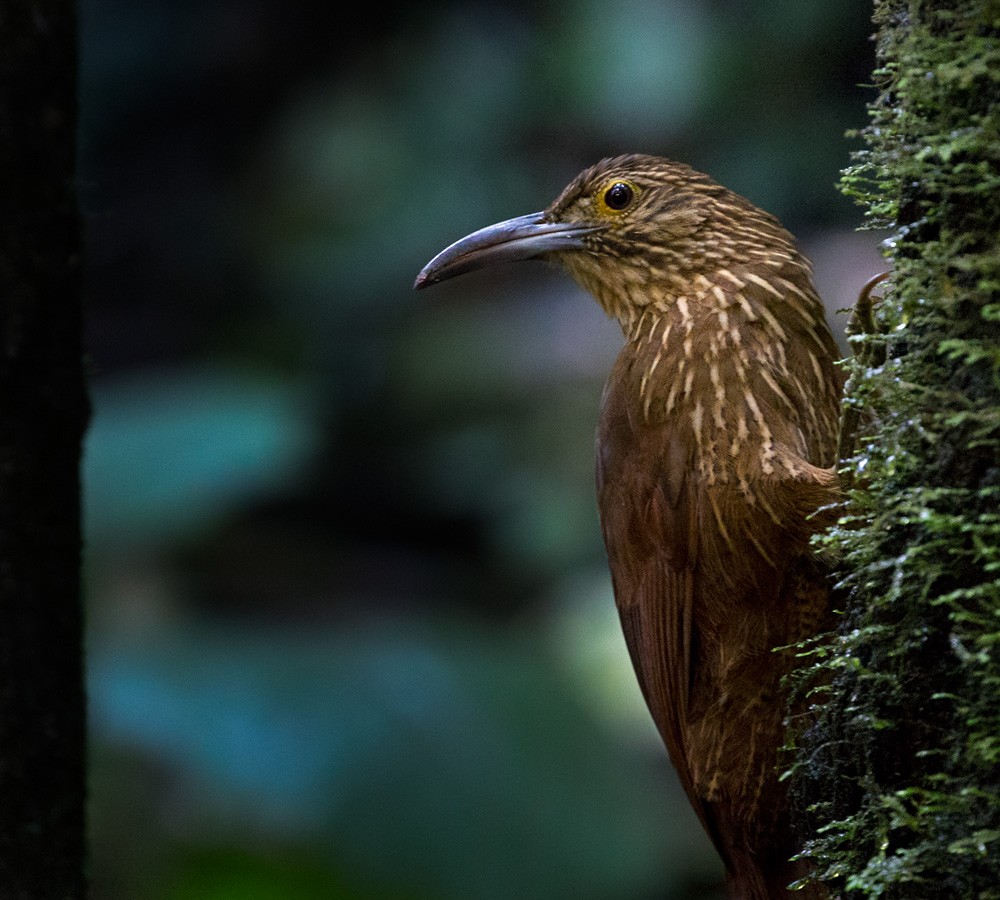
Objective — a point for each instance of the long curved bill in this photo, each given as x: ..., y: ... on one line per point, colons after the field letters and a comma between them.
x: 525, y: 237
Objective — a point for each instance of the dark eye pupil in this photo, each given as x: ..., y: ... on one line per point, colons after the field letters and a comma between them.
x: 618, y: 196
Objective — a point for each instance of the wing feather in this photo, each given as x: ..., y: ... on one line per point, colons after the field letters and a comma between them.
x: 674, y: 569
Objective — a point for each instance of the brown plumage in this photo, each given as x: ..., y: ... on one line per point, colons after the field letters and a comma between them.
x: 716, y: 446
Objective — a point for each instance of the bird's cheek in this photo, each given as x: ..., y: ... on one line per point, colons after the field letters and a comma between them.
x: 585, y: 270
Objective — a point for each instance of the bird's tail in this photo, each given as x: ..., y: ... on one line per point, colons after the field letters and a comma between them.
x: 751, y: 878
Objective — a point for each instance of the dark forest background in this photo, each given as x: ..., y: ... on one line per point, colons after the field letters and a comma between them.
x: 350, y: 628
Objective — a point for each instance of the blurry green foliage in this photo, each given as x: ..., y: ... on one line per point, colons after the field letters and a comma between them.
x: 448, y: 763
x: 228, y: 874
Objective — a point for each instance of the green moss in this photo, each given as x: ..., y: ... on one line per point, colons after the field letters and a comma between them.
x: 897, y: 777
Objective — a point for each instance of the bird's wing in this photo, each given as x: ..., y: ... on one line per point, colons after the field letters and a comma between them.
x: 655, y: 590
x: 649, y: 527
x: 667, y: 554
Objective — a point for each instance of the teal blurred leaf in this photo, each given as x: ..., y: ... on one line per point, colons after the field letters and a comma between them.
x: 457, y: 762
x: 641, y: 71
x: 170, y: 452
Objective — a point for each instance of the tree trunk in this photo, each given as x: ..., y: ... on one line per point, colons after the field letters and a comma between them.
x: 43, y: 410
x: 901, y: 773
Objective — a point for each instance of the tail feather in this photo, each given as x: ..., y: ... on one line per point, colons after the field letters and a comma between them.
x: 751, y: 878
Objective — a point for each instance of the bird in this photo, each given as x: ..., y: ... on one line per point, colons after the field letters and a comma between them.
x: 715, y: 466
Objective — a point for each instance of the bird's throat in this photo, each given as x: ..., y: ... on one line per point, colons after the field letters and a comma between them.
x: 738, y: 376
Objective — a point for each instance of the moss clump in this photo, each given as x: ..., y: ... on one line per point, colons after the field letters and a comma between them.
x: 899, y: 774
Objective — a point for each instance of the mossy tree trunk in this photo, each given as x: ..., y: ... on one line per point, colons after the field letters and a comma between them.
x: 43, y: 410
x: 902, y: 772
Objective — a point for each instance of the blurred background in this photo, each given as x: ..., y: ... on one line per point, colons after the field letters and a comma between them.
x: 351, y: 632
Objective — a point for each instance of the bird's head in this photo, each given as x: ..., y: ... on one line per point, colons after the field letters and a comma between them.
x: 633, y: 230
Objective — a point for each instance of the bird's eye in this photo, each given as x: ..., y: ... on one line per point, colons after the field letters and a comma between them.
x: 619, y: 195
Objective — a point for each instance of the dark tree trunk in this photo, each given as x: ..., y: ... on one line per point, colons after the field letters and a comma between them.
x: 43, y: 411
x: 902, y: 771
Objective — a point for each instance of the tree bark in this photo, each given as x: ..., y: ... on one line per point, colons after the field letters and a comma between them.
x: 900, y: 774
x: 43, y: 411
